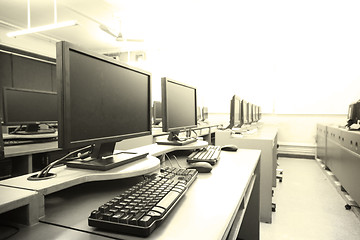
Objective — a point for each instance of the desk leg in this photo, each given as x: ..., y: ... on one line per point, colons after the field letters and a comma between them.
x: 30, y: 163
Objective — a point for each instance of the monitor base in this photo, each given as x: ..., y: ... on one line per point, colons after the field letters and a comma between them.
x: 107, y: 163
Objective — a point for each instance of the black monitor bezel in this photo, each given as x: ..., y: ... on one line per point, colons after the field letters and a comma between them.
x: 2, y: 151
x: 245, y: 114
x: 250, y: 112
x: 233, y: 112
x: 5, y: 108
x: 164, y: 98
x: 63, y: 49
x: 205, y: 113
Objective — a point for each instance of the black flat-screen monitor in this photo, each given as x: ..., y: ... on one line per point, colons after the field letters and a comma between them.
x: 353, y: 113
x: 205, y: 113
x: 245, y: 105
x: 199, y: 117
x: 179, y: 105
x: 260, y: 113
x: 236, y: 113
x: 30, y: 108
x: 2, y: 154
x: 157, y: 113
x: 102, y: 101
x: 256, y: 113
x: 250, y: 112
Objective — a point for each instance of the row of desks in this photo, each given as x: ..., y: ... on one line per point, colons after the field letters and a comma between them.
x: 213, y: 208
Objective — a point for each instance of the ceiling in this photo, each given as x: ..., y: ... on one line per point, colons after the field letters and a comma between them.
x: 128, y: 17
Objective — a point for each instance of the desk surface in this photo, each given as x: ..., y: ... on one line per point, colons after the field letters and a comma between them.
x: 205, y: 212
x: 27, y: 149
x: 195, y: 216
x: 14, y: 198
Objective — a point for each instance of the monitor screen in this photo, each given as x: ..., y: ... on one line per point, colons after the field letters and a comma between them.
x: 245, y: 112
x: 179, y: 104
x: 157, y: 113
x: 236, y: 119
x: 102, y: 100
x: 29, y: 107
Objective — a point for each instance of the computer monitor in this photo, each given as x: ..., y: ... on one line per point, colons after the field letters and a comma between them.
x: 102, y: 101
x: 250, y: 112
x: 198, y: 111
x: 245, y: 105
x: 2, y: 154
x: 260, y: 113
x: 157, y: 113
x: 30, y: 108
x: 179, y: 104
x: 205, y: 113
x: 353, y: 113
x: 256, y: 113
x: 236, y: 113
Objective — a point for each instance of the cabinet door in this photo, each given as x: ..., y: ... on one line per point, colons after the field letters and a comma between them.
x: 333, y: 157
x: 321, y: 142
x: 349, y: 171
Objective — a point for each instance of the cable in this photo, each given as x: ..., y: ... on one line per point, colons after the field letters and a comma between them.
x: 169, y: 160
x: 44, y: 172
x: 177, y: 162
x: 16, y: 129
x: 194, y: 132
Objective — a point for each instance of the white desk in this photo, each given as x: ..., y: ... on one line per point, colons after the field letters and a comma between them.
x: 233, y: 184
x: 264, y: 139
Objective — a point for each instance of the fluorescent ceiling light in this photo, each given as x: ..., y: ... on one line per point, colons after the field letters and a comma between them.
x: 42, y: 28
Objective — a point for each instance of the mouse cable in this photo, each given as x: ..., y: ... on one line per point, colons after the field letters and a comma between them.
x: 44, y: 172
x: 177, y: 162
x: 169, y: 160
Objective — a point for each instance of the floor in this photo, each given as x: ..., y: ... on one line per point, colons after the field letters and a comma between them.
x: 308, y: 206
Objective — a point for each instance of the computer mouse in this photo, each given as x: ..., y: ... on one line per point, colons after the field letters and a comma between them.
x: 201, y: 167
x: 229, y: 147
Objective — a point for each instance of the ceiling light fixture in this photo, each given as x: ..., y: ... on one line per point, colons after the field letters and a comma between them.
x: 55, y: 25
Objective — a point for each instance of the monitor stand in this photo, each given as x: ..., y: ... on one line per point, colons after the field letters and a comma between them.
x: 103, y: 158
x: 175, y: 140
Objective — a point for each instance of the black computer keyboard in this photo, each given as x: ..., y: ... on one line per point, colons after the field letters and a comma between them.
x: 210, y: 154
x: 140, y: 209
